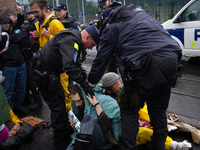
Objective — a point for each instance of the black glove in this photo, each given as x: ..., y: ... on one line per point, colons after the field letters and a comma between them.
x: 87, y: 88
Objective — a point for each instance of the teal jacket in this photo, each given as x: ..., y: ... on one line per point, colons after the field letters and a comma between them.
x: 110, y: 108
x: 4, y: 107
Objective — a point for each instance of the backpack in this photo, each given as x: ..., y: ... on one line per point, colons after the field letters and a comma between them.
x: 48, y: 22
x: 35, y: 46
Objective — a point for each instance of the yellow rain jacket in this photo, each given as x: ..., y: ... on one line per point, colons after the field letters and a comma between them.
x: 55, y: 27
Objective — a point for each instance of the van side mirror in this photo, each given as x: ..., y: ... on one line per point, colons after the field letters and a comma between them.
x: 178, y: 19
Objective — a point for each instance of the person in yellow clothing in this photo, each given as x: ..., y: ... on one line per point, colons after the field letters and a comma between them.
x: 111, y: 83
x: 46, y: 28
x: 18, y: 131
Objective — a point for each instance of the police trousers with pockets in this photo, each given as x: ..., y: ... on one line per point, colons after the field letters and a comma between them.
x: 157, y: 98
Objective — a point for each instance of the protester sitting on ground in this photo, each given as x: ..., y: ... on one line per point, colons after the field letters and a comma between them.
x: 99, y: 118
x: 18, y: 132
x: 4, y: 113
x: 111, y: 83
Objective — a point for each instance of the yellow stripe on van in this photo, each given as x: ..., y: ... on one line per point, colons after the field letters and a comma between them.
x: 76, y: 46
x: 193, y: 44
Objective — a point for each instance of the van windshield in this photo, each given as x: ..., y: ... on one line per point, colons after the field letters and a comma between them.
x: 192, y: 13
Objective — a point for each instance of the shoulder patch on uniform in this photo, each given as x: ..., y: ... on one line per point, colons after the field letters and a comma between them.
x: 76, y: 46
x: 98, y: 47
x: 75, y: 56
x: 17, y: 31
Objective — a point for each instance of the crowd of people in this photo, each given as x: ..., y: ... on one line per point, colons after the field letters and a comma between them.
x: 131, y: 45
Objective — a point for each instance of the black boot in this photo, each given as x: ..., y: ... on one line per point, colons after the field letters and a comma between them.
x: 36, y: 106
x: 61, y: 143
x: 21, y: 111
x: 82, y: 141
x: 150, y: 146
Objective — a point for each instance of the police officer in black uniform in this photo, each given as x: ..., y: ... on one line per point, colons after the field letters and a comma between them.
x: 150, y: 57
x: 31, y: 21
x: 64, y: 16
x: 63, y: 53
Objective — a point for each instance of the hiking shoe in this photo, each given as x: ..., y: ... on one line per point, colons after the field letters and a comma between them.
x: 185, y: 145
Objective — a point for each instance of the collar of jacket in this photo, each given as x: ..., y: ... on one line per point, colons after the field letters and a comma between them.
x: 68, y: 17
x: 46, y: 20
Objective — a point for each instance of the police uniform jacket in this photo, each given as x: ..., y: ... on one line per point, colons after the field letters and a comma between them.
x: 131, y: 33
x: 13, y: 56
x: 73, y: 22
x: 31, y: 26
x: 61, y: 54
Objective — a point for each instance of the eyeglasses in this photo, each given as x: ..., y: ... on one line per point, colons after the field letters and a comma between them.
x: 76, y: 101
x: 35, y: 12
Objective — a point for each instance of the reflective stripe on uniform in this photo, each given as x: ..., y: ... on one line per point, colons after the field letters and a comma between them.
x: 76, y: 46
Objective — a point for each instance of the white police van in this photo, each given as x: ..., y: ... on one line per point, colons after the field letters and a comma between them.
x: 185, y: 28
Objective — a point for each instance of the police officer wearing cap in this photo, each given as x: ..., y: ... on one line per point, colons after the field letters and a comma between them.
x: 31, y: 21
x: 63, y: 53
x: 50, y: 9
x: 64, y: 16
x: 105, y: 4
x: 150, y: 57
x: 115, y: 64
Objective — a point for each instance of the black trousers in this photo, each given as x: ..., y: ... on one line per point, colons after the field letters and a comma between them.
x: 157, y: 103
x: 59, y: 117
x: 30, y: 84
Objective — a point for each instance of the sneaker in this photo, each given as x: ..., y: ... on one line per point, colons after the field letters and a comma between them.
x: 171, y: 128
x: 185, y: 145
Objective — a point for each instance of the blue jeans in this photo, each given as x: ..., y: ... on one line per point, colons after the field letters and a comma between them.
x: 15, y: 75
x: 90, y: 126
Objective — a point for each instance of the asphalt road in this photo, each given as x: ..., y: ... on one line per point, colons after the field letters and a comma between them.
x: 184, y: 101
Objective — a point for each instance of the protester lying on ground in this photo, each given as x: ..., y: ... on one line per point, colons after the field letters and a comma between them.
x: 18, y: 132
x: 99, y: 118
x: 4, y: 114
x: 111, y: 83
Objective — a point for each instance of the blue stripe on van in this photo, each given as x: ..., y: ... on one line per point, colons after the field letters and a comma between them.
x: 179, y: 33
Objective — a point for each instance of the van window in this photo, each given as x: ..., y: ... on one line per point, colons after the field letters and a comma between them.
x: 192, y: 13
